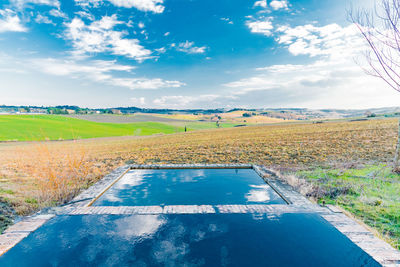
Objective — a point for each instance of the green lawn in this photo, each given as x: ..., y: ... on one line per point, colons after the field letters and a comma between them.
x: 371, y: 194
x: 54, y: 127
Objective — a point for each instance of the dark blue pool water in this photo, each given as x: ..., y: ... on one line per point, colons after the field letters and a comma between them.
x: 189, y: 187
x: 187, y: 240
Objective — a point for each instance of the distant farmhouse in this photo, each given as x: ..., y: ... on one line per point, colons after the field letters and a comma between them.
x: 116, y: 111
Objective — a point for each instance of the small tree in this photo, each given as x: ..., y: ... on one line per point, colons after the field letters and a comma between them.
x: 380, y: 28
x: 246, y: 115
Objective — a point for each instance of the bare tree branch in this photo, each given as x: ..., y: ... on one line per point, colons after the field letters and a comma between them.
x: 380, y: 29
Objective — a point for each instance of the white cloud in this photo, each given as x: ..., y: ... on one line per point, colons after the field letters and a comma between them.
x: 263, y: 26
x: 314, y: 41
x: 161, y: 50
x: 188, y: 47
x: 227, y: 20
x: 43, y: 19
x: 144, y: 83
x: 88, y: 3
x: 99, y: 71
x: 85, y: 15
x: 181, y: 101
x: 22, y: 3
x: 333, y: 80
x: 10, y: 22
x: 155, y: 6
x: 261, y: 3
x: 323, y: 84
x: 99, y: 36
x: 142, y: 5
x: 276, y: 5
x: 138, y: 101
x: 58, y: 13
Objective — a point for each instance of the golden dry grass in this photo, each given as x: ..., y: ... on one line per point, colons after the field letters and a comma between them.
x: 33, y: 175
x: 259, y: 119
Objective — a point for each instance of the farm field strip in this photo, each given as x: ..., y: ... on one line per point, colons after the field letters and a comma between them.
x: 227, y: 117
x: 57, y: 127
x: 54, y: 127
x: 124, y: 118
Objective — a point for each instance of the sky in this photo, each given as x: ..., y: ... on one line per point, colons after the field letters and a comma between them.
x: 185, y: 54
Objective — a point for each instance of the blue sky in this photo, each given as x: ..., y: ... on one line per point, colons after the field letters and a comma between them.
x: 185, y: 54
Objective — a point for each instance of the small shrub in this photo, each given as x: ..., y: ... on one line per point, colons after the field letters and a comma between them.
x: 31, y: 201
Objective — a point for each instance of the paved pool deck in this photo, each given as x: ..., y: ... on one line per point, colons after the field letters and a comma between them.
x: 360, y: 235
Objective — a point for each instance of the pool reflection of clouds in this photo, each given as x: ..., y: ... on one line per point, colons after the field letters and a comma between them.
x: 267, y: 216
x: 173, y: 246
x: 189, y: 187
x: 187, y: 240
x: 145, y: 192
x: 260, y: 194
x: 189, y: 177
x: 163, y: 175
x: 130, y: 179
x: 112, y: 198
x: 138, y: 226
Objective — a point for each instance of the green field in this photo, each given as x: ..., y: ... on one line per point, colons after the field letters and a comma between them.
x: 55, y: 127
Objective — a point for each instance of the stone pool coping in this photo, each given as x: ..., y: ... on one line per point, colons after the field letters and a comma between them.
x: 378, y: 249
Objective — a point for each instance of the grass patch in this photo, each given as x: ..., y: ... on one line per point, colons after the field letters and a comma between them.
x: 371, y: 194
x: 54, y: 127
x: 6, y: 191
x: 31, y: 201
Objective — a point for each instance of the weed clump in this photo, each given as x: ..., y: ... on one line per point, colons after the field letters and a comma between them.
x: 6, y: 215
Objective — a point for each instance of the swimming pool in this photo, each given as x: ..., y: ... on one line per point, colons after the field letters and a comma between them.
x: 187, y: 240
x: 187, y: 217
x: 189, y: 187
